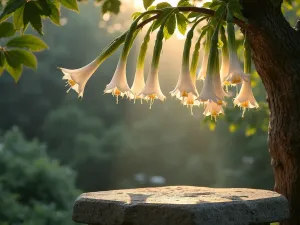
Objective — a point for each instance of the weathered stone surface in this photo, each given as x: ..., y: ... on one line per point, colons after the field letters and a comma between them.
x: 180, y: 205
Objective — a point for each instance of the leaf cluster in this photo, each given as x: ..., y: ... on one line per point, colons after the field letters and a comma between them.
x: 16, y: 52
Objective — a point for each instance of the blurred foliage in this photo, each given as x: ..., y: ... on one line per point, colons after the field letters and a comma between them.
x: 34, y: 188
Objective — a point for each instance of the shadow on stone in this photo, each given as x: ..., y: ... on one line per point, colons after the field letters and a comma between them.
x: 138, y: 198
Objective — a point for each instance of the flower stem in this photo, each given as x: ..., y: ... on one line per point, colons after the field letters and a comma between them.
x: 213, y: 51
x: 247, y: 56
x: 195, y: 58
x: 130, y: 35
x: 187, y: 45
x: 158, y: 42
x: 225, y: 52
x: 230, y: 31
x: 143, y: 50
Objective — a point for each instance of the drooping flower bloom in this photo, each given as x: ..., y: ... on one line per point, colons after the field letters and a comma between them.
x: 77, y: 78
x: 245, y: 98
x: 185, y: 89
x: 138, y: 83
x: 152, y: 89
x: 235, y: 72
x: 213, y: 109
x: 208, y: 93
x: 118, y: 86
x: 185, y: 85
x: 224, y: 68
x: 139, y: 78
x: 225, y: 56
x: 203, y: 69
x: 192, y: 100
x: 212, y: 93
x: 204, y: 64
x: 220, y: 93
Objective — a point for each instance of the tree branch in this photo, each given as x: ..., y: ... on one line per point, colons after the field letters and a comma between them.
x: 209, y: 12
x: 147, y: 21
x: 297, y: 27
x: 205, y: 11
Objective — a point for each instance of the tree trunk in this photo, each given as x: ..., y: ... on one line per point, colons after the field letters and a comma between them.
x: 276, y: 54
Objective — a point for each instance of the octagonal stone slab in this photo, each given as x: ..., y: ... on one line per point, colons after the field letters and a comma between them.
x: 180, y: 205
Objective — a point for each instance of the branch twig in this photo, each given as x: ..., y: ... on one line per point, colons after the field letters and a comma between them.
x: 208, y: 12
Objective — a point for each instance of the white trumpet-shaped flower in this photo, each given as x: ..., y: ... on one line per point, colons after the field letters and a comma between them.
x: 208, y: 93
x: 203, y: 69
x: 213, y: 109
x: 118, y: 86
x: 185, y: 89
x: 224, y: 67
x: 225, y: 56
x: 235, y: 72
x: 138, y: 82
x: 245, y: 99
x: 152, y: 89
x: 77, y: 78
x: 191, y: 100
x: 220, y: 93
x: 184, y: 85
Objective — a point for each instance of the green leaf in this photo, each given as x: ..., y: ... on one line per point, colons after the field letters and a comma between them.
x: 55, y: 14
x: 216, y: 4
x: 70, y: 4
x: 5, y: 17
x: 206, y: 4
x: 160, y: 19
x: 2, y: 59
x: 15, y: 72
x: 184, y: 3
x: 7, y: 29
x: 153, y: 7
x: 181, y: 23
x: 11, y: 6
x: 147, y: 3
x: 2, y: 62
x: 112, y: 6
x: 220, y: 11
x: 44, y: 7
x: 32, y: 16
x: 234, y: 6
x: 170, y: 27
x: 18, y: 18
x: 135, y: 15
x: 193, y: 15
x: 240, y: 16
x: 163, y: 5
x: 17, y: 57
x: 29, y: 41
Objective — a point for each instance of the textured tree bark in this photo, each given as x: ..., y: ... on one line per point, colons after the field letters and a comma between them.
x: 276, y: 54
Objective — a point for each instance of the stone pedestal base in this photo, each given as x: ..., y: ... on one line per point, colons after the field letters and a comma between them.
x: 180, y: 205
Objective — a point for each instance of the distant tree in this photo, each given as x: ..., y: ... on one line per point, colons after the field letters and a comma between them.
x: 34, y: 189
x: 78, y: 140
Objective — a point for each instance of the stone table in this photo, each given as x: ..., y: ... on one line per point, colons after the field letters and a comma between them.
x: 180, y: 205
